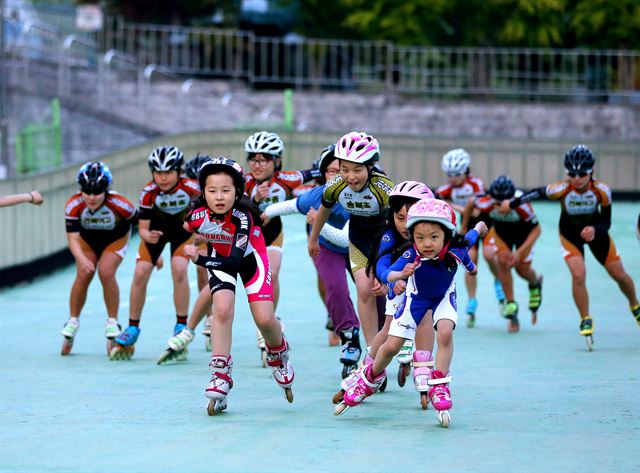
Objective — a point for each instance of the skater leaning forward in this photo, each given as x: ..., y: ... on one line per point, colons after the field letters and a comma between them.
x: 98, y: 222
x: 164, y: 202
x: 429, y: 267
x: 235, y: 247
x: 585, y: 218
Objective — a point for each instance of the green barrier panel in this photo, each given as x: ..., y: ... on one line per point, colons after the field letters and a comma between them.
x: 39, y: 145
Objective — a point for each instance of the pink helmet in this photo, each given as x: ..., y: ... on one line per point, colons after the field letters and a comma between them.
x: 357, y: 147
x: 410, y: 190
x: 432, y: 210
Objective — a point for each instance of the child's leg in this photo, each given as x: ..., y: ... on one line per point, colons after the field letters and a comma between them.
x: 138, y: 292
x: 367, y: 306
x: 107, y: 268
x: 265, y: 319
x: 385, y: 354
x: 579, y: 284
x: 504, y: 274
x: 275, y: 261
x: 444, y: 334
x: 223, y: 311
x: 78, y: 295
x: 179, y: 266
x: 617, y: 272
x: 380, y: 337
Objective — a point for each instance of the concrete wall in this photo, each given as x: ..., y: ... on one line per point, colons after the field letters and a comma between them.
x: 29, y: 233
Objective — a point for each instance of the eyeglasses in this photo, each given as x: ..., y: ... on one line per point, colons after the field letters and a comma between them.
x: 454, y: 174
x: 576, y: 174
x: 258, y: 162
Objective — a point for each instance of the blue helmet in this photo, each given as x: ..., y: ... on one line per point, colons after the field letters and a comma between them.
x: 94, y: 177
x: 192, y: 168
x: 502, y: 188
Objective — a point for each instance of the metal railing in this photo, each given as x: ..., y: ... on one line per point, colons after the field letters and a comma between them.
x: 382, y: 66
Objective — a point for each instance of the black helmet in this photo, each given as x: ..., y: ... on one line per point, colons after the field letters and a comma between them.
x: 579, y: 159
x: 502, y: 188
x: 94, y: 177
x: 192, y: 168
x: 165, y: 158
x: 226, y: 165
x: 326, y: 157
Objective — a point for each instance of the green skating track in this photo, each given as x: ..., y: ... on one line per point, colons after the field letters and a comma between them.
x: 533, y: 401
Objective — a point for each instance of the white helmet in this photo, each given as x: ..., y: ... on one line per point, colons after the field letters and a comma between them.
x: 165, y: 158
x: 264, y: 142
x: 357, y: 147
x: 456, y: 162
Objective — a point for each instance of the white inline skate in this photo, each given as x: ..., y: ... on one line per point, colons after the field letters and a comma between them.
x: 422, y: 367
x: 263, y: 346
x: 69, y: 332
x: 220, y: 383
x: 178, y: 346
x: 278, y: 360
x: 404, y: 358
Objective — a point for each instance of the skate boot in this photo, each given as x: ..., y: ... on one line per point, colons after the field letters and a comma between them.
x: 351, y: 379
x: 441, y: 396
x: 278, y: 360
x: 404, y: 357
x: 586, y: 330
x: 535, y: 299
x: 422, y: 367
x: 69, y: 333
x: 500, y: 296
x: 472, y: 306
x: 263, y: 346
x: 334, y: 338
x: 510, y: 312
x: 351, y: 350
x: 206, y: 331
x: 124, y: 345
x: 177, y: 346
x: 111, y: 330
x: 365, y: 386
x: 635, y: 310
x: 220, y: 383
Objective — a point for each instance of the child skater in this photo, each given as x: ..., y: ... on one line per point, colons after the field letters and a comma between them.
x: 430, y: 266
x: 390, y: 244
x: 236, y: 246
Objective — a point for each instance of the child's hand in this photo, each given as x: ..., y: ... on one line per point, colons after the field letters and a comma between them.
x: 588, y: 233
x: 481, y: 228
x: 192, y: 252
x: 262, y: 191
x: 399, y: 287
x: 378, y: 289
x: 265, y: 218
x: 86, y: 265
x: 408, y: 270
x: 504, y: 207
x: 152, y: 236
x: 314, y: 248
x: 311, y: 216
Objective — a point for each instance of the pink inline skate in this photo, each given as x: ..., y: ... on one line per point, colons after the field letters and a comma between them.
x: 441, y: 396
x: 365, y: 386
x: 351, y: 380
x: 220, y: 383
x: 422, y: 368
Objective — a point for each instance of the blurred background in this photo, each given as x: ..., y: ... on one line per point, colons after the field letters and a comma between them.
x: 515, y: 82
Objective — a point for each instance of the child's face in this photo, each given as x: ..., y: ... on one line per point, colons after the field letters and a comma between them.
x: 262, y: 166
x: 355, y: 175
x: 579, y: 180
x: 456, y: 181
x: 428, y: 238
x: 165, y: 180
x: 93, y: 201
x: 219, y: 192
x: 400, y: 220
x: 332, y: 170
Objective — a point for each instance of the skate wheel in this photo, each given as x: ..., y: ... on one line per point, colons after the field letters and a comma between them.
x: 589, y: 339
x: 263, y: 357
x: 110, y: 345
x: 67, y: 345
x: 445, y: 418
x: 118, y: 352
x: 403, y: 371
x: 534, y: 318
x: 337, y: 397
x: 383, y: 386
x: 165, y: 356
x: 288, y: 394
x: 424, y: 401
x: 471, y: 321
x: 514, y: 325
x: 340, y: 408
x: 215, y: 407
x: 207, y: 343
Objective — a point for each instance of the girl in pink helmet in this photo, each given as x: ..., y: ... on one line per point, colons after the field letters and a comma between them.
x: 429, y: 267
x: 364, y: 193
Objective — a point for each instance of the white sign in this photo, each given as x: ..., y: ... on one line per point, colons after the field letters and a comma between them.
x: 89, y: 17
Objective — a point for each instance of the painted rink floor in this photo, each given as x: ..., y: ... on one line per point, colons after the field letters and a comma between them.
x: 532, y: 401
